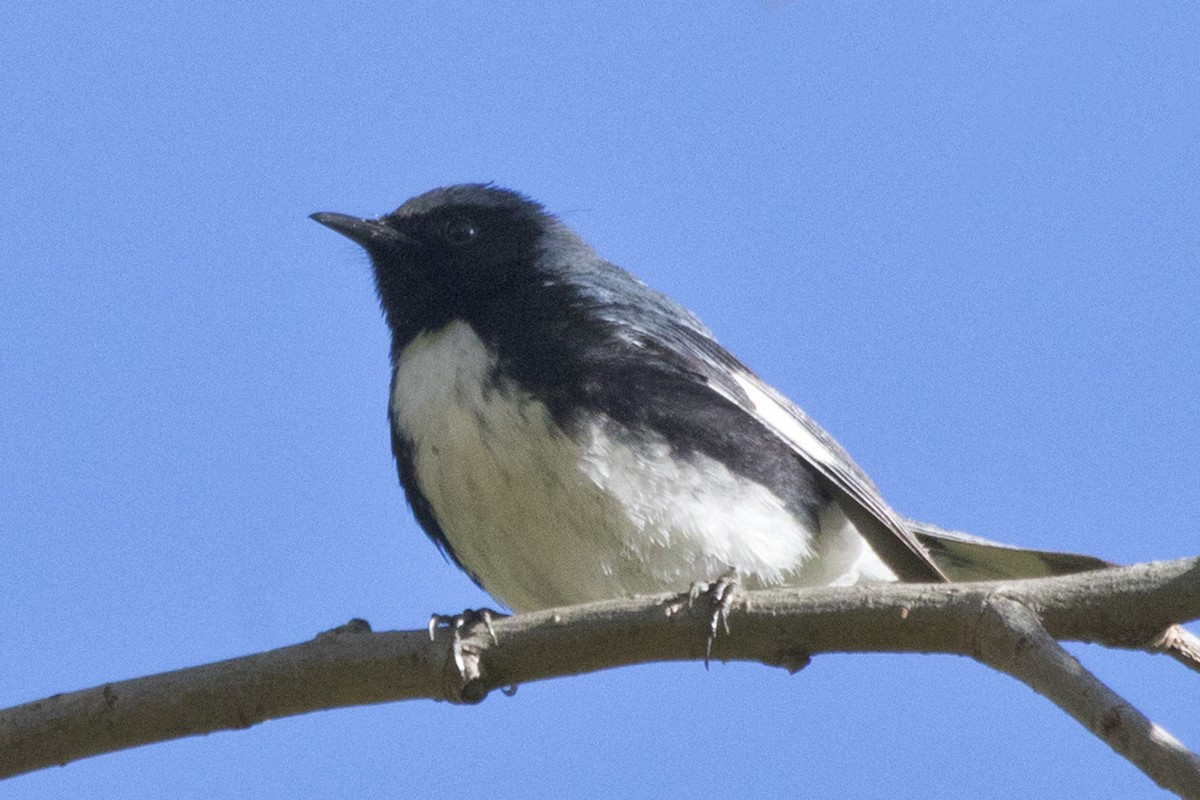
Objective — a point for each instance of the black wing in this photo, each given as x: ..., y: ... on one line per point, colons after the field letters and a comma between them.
x: 657, y: 366
x: 837, y: 474
x: 599, y: 340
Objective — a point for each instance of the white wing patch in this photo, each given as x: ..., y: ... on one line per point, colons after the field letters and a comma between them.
x: 772, y: 411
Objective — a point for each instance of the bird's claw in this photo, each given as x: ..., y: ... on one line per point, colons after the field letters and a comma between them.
x: 719, y: 594
x: 467, y: 663
x: 456, y: 622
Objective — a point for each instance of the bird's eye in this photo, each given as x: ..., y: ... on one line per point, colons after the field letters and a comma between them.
x: 460, y: 231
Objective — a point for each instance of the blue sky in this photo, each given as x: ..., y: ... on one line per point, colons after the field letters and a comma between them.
x: 964, y: 237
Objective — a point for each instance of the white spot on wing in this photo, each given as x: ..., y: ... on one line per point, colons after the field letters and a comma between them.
x: 774, y: 413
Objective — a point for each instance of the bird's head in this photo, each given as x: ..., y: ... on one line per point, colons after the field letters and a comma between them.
x: 458, y: 252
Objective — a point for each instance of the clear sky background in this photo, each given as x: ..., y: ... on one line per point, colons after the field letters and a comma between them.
x: 965, y: 237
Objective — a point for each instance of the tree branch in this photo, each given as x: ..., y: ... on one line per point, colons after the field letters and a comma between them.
x: 1017, y: 644
x: 1010, y: 625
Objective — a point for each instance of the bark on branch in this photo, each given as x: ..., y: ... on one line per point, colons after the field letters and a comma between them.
x: 1013, y: 626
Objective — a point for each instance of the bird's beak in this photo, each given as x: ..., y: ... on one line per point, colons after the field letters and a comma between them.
x: 369, y: 233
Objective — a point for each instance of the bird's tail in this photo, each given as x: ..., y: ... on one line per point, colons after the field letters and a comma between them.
x: 964, y: 557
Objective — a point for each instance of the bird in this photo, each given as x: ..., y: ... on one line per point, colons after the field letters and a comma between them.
x: 566, y: 434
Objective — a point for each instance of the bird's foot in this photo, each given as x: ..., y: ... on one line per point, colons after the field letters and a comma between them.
x: 466, y: 660
x: 457, y: 622
x: 718, y: 594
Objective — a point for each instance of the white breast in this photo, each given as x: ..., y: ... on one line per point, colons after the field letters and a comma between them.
x: 544, y: 520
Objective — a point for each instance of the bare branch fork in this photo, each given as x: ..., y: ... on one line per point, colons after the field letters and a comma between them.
x: 1013, y: 626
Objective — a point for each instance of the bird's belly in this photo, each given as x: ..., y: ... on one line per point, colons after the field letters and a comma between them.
x: 543, y: 518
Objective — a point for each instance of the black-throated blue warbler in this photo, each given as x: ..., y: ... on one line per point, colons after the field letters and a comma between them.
x: 566, y: 434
